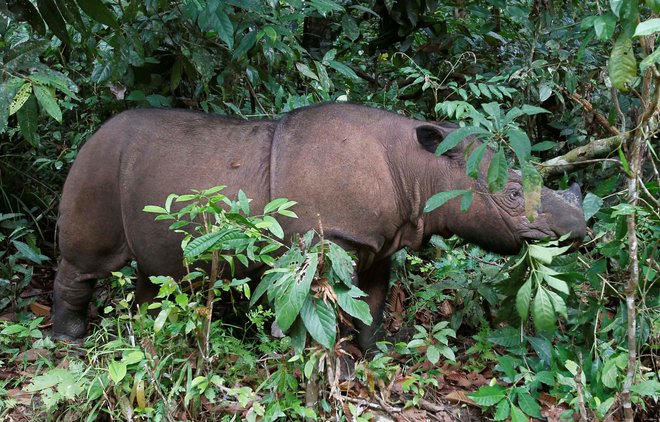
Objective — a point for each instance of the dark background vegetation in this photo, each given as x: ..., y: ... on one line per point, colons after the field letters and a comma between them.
x: 69, y: 65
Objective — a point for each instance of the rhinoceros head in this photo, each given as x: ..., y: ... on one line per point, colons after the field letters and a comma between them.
x: 498, y: 221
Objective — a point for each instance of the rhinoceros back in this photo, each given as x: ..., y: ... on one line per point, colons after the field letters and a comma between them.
x: 138, y: 158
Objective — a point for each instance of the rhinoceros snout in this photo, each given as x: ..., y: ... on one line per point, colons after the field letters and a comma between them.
x: 565, y: 207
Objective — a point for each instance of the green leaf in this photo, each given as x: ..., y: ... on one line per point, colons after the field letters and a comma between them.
x: 502, y: 411
x: 343, y: 69
x: 293, y: 292
x: 648, y: 388
x: 557, y: 284
x: 650, y: 60
x: 432, y: 354
x: 350, y: 26
x: 320, y: 321
x: 20, y: 98
x: 520, y: 144
x: 441, y: 198
x: 543, y: 350
x: 28, y: 120
x: 558, y: 303
x: 622, y: 65
x: 532, y: 185
x: 488, y: 395
x: 604, y: 26
x: 523, y: 298
x: 615, y: 5
x: 348, y: 302
x: 31, y: 14
x: 505, y: 336
x: 28, y: 252
x: 532, y: 110
x: 274, y: 204
x: 517, y: 415
x: 543, y: 312
x: 274, y: 226
x: 305, y: 70
x: 8, y: 91
x: 270, y: 33
x: 246, y: 44
x: 71, y: 14
x: 609, y: 374
x: 498, y: 172
x: 473, y: 162
x: 155, y: 209
x: 466, y: 201
x: 117, y: 371
x: 53, y: 17
x: 456, y: 136
x: 225, y: 28
x: 48, y: 102
x: 98, y: 11
x: 200, y: 245
x: 161, y: 319
x: 529, y: 405
x: 647, y: 27
x: 342, y: 263
x: 591, y: 204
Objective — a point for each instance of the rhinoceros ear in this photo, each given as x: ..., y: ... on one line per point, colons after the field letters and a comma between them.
x: 430, y: 136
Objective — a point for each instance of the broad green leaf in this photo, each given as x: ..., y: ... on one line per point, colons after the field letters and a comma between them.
x: 161, y: 319
x: 648, y: 388
x: 117, y: 371
x: 274, y: 204
x: 557, y: 284
x: 441, y: 198
x: 622, y: 65
x: 520, y: 144
x: 502, y: 411
x: 270, y: 33
x: 517, y: 415
x: 320, y: 321
x: 545, y: 91
x: 604, y: 26
x: 473, y: 162
x: 98, y: 11
x: 20, y: 98
x: 543, y: 350
x: 48, y: 102
x: 488, y: 395
x: 466, y: 200
x: 305, y: 70
x: 532, y: 185
x: 350, y: 26
x: 498, y: 173
x: 531, y: 110
x: 647, y: 27
x: 200, y: 245
x: 615, y: 5
x: 31, y: 14
x: 650, y: 60
x: 507, y: 365
x: 505, y: 336
x: 274, y: 226
x: 543, y: 312
x: 342, y: 263
x: 609, y: 374
x: 558, y: 303
x: 8, y: 91
x: 28, y: 120
x: 523, y: 298
x: 292, y: 294
x: 246, y: 44
x: 154, y: 209
x: 529, y: 405
x: 456, y: 136
x: 591, y: 204
x: 432, y: 354
x: 225, y: 29
x: 71, y: 14
x: 53, y: 17
x: 343, y: 69
x: 348, y: 302
x: 28, y: 252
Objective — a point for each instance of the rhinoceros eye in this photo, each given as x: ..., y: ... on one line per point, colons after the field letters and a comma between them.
x: 514, y: 194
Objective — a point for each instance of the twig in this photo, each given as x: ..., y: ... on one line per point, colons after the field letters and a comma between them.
x: 586, y: 105
x: 363, y: 402
x: 580, y: 394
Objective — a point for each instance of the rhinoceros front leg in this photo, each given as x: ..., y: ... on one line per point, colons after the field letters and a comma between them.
x: 374, y: 281
x: 72, y: 292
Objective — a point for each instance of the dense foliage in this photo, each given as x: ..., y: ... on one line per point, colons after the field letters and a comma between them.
x: 564, y: 90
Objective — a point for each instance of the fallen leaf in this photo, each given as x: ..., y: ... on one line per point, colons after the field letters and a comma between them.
x: 32, y: 355
x: 40, y: 310
x: 458, y: 396
x: 20, y: 396
x: 412, y: 415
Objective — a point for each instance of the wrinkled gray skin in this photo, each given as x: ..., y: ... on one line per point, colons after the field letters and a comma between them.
x: 365, y: 173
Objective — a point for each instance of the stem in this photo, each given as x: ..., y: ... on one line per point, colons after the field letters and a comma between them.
x: 633, y: 279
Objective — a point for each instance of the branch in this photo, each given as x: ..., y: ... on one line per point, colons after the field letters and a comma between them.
x: 586, y: 153
x: 586, y: 105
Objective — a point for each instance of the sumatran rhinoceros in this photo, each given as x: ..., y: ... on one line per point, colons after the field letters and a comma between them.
x: 364, y: 173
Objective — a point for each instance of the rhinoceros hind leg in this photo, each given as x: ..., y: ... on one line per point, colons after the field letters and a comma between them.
x: 71, y: 295
x: 375, y: 283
